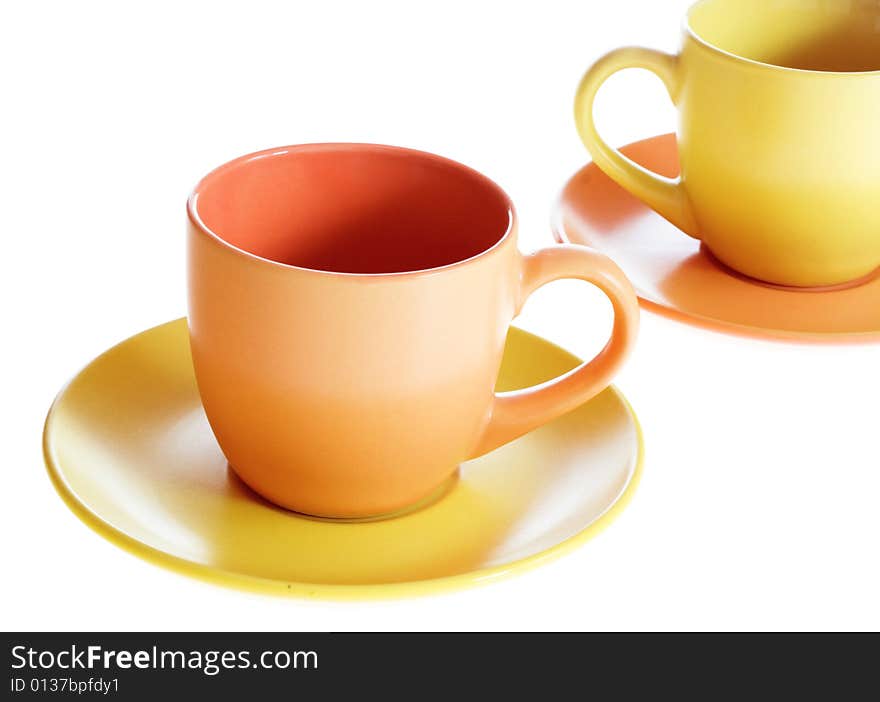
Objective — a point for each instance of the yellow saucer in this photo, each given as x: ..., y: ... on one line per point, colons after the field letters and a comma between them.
x: 130, y: 451
x: 674, y: 276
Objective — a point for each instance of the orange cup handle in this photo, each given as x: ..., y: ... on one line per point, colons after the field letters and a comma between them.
x: 518, y: 412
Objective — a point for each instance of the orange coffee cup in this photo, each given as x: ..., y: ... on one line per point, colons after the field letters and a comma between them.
x: 348, y: 307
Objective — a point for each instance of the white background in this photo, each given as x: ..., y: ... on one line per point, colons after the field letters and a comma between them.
x: 759, y: 502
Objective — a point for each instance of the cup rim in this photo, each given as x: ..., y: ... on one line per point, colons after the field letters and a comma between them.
x: 692, y: 33
x: 199, y: 224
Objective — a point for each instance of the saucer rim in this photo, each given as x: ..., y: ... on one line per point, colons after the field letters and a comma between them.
x: 328, y: 591
x: 692, y: 319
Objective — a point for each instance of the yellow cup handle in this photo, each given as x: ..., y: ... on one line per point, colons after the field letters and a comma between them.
x: 517, y: 412
x: 665, y: 195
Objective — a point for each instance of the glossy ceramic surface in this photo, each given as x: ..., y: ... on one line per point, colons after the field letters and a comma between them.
x: 129, y: 449
x: 675, y: 277
x: 364, y: 292
x: 779, y: 102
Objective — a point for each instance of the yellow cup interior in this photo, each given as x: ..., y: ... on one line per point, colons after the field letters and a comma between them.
x: 811, y: 35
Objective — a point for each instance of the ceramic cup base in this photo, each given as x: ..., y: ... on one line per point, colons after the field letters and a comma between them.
x: 858, y: 282
x: 130, y: 451
x: 675, y: 276
x: 438, y: 493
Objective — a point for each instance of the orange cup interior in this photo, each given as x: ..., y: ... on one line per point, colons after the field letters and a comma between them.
x: 353, y: 208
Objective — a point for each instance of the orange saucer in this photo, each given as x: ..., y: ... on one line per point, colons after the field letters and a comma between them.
x: 674, y: 276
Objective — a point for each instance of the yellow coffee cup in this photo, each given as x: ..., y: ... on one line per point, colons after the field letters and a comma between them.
x: 779, y: 136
